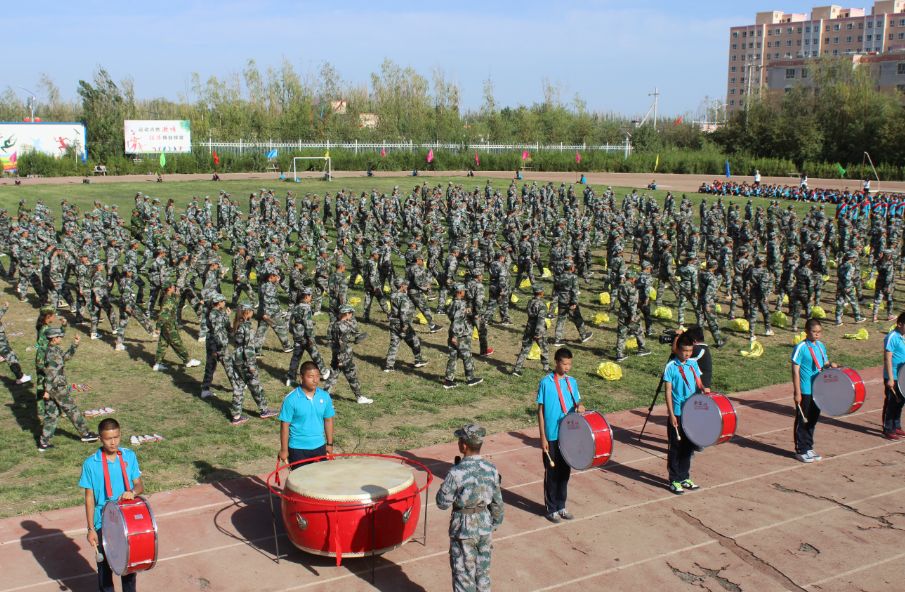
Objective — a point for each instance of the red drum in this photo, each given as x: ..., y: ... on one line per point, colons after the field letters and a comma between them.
x: 708, y: 419
x: 353, y: 506
x: 585, y: 440
x: 838, y: 391
x: 130, y: 536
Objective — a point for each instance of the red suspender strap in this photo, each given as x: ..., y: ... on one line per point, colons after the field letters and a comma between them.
x: 562, y: 401
x: 817, y: 364
x: 697, y: 379
x: 122, y: 466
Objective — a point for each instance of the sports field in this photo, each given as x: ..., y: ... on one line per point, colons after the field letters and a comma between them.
x: 411, y: 410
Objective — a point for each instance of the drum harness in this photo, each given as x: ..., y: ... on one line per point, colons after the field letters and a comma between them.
x: 122, y: 463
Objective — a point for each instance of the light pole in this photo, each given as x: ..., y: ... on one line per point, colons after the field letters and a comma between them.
x: 32, y: 99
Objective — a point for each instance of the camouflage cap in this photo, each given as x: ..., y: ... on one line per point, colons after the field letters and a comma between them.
x: 851, y: 254
x: 459, y: 287
x: 298, y: 261
x: 306, y: 291
x: 345, y: 309
x: 645, y: 264
x: 218, y: 298
x: 538, y: 289
x: 45, y: 310
x: 472, y: 433
x: 631, y: 274
x: 54, y: 332
x: 399, y: 282
x: 246, y: 306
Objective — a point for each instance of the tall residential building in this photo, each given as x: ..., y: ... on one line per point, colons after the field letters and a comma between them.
x: 773, y: 53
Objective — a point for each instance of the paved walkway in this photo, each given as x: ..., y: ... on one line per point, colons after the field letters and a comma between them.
x: 761, y: 522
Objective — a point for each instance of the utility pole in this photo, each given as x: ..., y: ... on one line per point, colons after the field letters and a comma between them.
x: 748, y: 69
x: 656, y: 96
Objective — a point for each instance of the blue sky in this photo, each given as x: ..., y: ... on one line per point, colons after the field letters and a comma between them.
x: 610, y: 52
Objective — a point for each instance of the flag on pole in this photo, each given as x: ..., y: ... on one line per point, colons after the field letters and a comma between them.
x: 272, y: 154
x: 383, y: 153
x: 216, y: 158
x: 163, y: 160
x: 327, y: 154
x: 656, y: 163
x: 679, y: 120
x: 578, y: 158
x: 525, y: 155
x: 430, y: 155
x: 840, y: 170
x: 728, y: 170
x: 477, y: 159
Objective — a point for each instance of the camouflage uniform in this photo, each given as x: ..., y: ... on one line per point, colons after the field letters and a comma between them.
x: 535, y: 332
x: 128, y: 306
x: 169, y: 331
x: 459, y: 338
x: 448, y: 278
x: 740, y: 283
x: 472, y: 489
x: 628, y: 316
x: 419, y: 281
x: 58, y: 390
x: 645, y: 284
x: 6, y: 351
x: 709, y: 285
x: 245, y: 369
x: 321, y: 281
x: 500, y: 290
x: 373, y: 287
x: 565, y: 289
x: 343, y: 334
x: 338, y: 289
x: 759, y: 289
x: 216, y: 345
x: 270, y: 315
x: 475, y: 295
x: 100, y: 301
x: 688, y: 289
x: 301, y: 325
x: 886, y: 284
x: 400, y: 317
x: 846, y: 289
x: 804, y: 290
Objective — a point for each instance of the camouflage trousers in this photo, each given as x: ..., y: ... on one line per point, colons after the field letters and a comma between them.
x: 529, y: 338
x: 525, y: 268
x: 351, y: 373
x: 574, y: 315
x: 299, y: 347
x: 818, y: 288
x: 710, y: 319
x: 443, y: 296
x: 462, y: 349
x: 796, y: 302
x: 420, y: 302
x: 843, y: 295
x: 238, y: 289
x: 61, y: 401
x: 469, y: 560
x: 58, y: 292
x: 169, y: 336
x: 104, y: 306
x: 628, y: 328
x: 124, y: 314
x: 11, y: 358
x: 280, y: 325
x: 28, y: 275
x: 405, y: 333
x: 686, y: 297
x: 499, y: 299
x: 319, y: 289
x: 883, y: 293
x: 759, y: 304
x: 213, y: 355
x: 372, y: 294
x: 246, y: 374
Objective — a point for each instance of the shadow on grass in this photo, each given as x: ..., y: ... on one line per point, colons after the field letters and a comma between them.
x: 24, y: 406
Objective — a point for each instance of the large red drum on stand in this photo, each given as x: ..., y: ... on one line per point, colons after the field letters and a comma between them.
x: 585, y: 440
x: 838, y: 391
x: 130, y: 536
x: 353, y: 506
x: 708, y: 419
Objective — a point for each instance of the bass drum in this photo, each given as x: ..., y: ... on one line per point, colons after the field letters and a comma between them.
x: 585, y: 440
x: 839, y: 391
x: 708, y: 419
x: 130, y: 536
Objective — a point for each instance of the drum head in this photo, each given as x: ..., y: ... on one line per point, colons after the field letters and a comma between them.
x: 900, y: 381
x: 702, y: 420
x: 116, y: 540
x: 834, y: 392
x: 576, y: 441
x: 350, y: 479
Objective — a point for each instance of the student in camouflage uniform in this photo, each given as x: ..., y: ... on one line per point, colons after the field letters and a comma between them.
x: 373, y: 289
x: 57, y: 291
x: 241, y: 266
x: 645, y: 284
x: 400, y: 317
x: 57, y: 396
x: 524, y: 264
x: 475, y: 288
x: 7, y: 353
x: 343, y: 335
x: 740, y: 282
x: 338, y: 290
x: 321, y: 280
x: 169, y: 332
x: 419, y: 284
x: 448, y: 277
x: 845, y: 288
x: 245, y: 368
x: 786, y: 283
x: 803, y: 292
x: 760, y: 287
x: 459, y: 340
x: 472, y: 489
x: 709, y: 285
x: 301, y: 325
x: 565, y: 288
x: 629, y: 317
x: 128, y: 306
x: 83, y: 288
x: 217, y: 344
x: 100, y: 300
x: 886, y: 284
x: 159, y: 277
x: 535, y: 332
x: 270, y: 315
x: 23, y: 253
x: 500, y: 289
x: 688, y: 288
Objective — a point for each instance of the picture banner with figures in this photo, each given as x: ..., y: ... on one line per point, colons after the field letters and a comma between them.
x: 155, y: 137
x: 52, y: 138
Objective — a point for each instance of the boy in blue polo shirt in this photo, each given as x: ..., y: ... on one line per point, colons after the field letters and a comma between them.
x: 98, y: 492
x: 682, y: 378
x: 808, y: 358
x: 306, y: 419
x: 893, y: 358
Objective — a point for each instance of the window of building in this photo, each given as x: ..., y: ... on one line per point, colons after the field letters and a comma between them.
x: 901, y: 35
x: 900, y: 87
x: 807, y: 29
x: 732, y: 102
x: 836, y: 27
x: 735, y: 46
x: 870, y: 24
x: 775, y: 56
x: 734, y: 58
x: 826, y: 39
x: 848, y: 39
x: 870, y: 37
x: 849, y: 26
x: 735, y: 34
x: 901, y: 68
x: 732, y: 80
x: 787, y: 89
x: 892, y: 36
x: 835, y: 52
x: 860, y: 38
x: 744, y: 46
x: 807, y: 41
x: 744, y: 33
x: 790, y: 73
x: 860, y: 26
x: 731, y: 91
x: 798, y: 29
x: 758, y: 45
x: 902, y: 23
x: 788, y: 43
x: 804, y: 72
x: 789, y: 30
x: 732, y: 69
x: 836, y: 40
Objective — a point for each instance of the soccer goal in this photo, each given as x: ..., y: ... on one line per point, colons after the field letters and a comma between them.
x: 327, y: 170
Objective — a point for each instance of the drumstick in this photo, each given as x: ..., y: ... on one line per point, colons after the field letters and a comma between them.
x: 98, y: 556
x: 679, y: 436
x: 276, y: 472
x: 550, y: 459
x: 800, y: 412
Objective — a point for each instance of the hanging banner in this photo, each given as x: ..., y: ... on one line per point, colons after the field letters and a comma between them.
x: 156, y: 137
x: 52, y: 138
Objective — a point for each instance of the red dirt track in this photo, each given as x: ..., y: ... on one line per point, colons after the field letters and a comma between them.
x: 761, y: 522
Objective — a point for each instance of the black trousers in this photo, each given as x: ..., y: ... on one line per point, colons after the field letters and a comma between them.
x: 297, y: 454
x: 210, y: 363
x: 556, y: 479
x: 678, y: 457
x: 105, y: 574
x: 804, y: 430
x: 892, y: 410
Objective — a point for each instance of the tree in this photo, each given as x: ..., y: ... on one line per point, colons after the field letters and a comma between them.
x: 103, y: 112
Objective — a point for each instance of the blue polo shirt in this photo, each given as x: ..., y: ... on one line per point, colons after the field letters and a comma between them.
x: 93, y: 478
x: 306, y: 417
x: 895, y: 343
x: 549, y: 397
x: 807, y: 370
x: 682, y: 386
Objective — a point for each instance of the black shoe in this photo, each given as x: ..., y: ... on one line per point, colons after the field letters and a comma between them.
x: 720, y: 344
x: 643, y: 352
x: 449, y: 384
x: 44, y: 445
x: 621, y: 357
x: 516, y: 372
x: 434, y: 328
x: 90, y: 437
x: 475, y: 381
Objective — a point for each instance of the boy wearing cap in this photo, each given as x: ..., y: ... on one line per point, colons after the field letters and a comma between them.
x: 57, y: 396
x: 216, y: 344
x: 169, y: 332
x: 343, y: 334
x: 535, y: 332
x: 400, y: 319
x: 301, y: 325
x: 472, y: 489
x: 459, y: 340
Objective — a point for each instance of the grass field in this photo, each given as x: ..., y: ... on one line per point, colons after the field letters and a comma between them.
x: 411, y: 409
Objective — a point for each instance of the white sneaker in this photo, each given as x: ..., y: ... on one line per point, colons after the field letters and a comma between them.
x: 159, y: 367
x: 206, y: 394
x: 120, y: 347
x: 326, y: 374
x: 25, y: 378
x: 288, y: 382
x: 363, y: 400
x: 814, y: 456
x: 94, y: 336
x: 202, y: 339
x: 192, y: 363
x: 805, y: 458
x: 134, y: 440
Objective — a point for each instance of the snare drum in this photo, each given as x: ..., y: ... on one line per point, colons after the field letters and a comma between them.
x: 708, y: 419
x: 838, y: 391
x: 585, y: 440
x: 130, y: 536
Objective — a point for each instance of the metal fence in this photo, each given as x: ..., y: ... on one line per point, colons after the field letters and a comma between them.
x: 243, y: 147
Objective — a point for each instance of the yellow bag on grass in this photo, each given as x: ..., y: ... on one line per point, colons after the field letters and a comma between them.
x: 547, y: 274
x: 717, y: 308
x: 785, y: 298
x: 474, y: 333
x: 604, y: 298
x: 861, y: 335
x: 871, y: 284
x: 756, y: 350
x: 354, y: 301
x: 253, y: 276
x: 631, y: 344
x: 534, y: 354
x: 779, y: 319
x: 799, y: 338
x: 663, y: 313
x: 739, y: 325
x: 513, y: 299
x: 652, y: 293
x: 817, y: 312
x: 609, y: 371
x: 420, y: 318
x: 526, y: 283
x: 600, y: 318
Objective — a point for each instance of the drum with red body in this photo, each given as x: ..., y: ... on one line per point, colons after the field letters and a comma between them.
x: 838, y: 391
x: 585, y: 440
x: 708, y: 419
x: 353, y: 506
x: 130, y: 536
